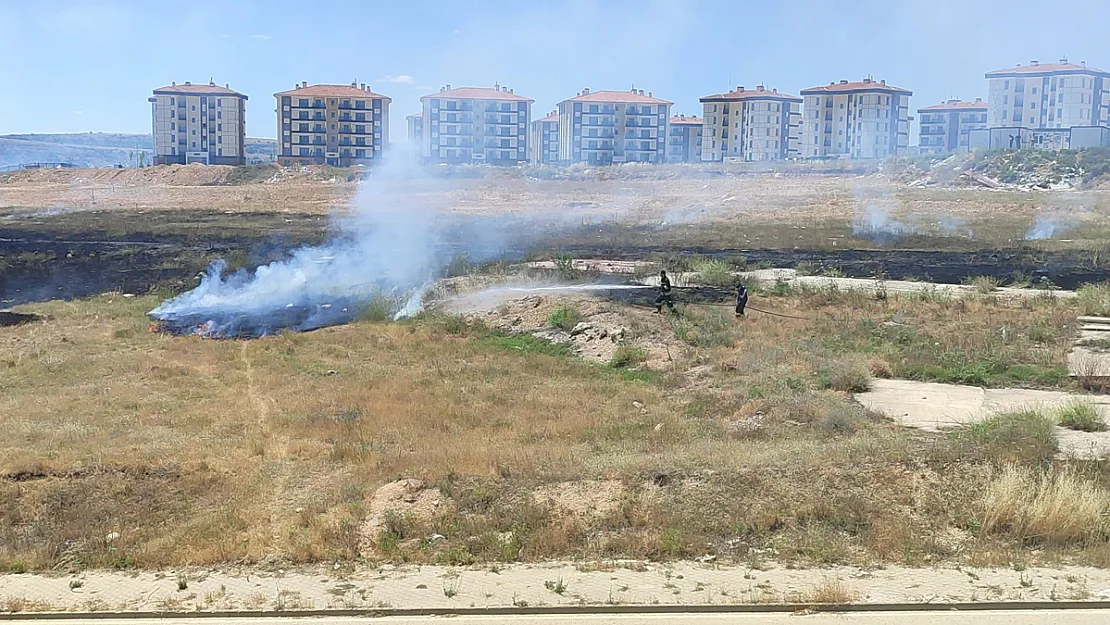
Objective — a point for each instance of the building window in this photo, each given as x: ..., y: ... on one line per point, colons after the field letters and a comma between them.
x: 302, y: 102
x: 171, y: 101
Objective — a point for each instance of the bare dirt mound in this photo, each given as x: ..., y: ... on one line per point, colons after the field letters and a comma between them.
x: 582, y: 500
x: 597, y: 330
x: 405, y: 498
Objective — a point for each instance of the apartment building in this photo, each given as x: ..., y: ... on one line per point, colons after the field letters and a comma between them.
x: 416, y: 128
x: 475, y: 125
x: 337, y: 125
x: 864, y: 119
x: 684, y: 139
x: 1038, y: 106
x: 747, y: 125
x: 203, y: 123
x: 607, y: 127
x: 945, y: 127
x: 543, y: 143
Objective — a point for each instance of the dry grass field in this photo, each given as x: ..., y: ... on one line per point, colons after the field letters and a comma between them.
x: 127, y: 448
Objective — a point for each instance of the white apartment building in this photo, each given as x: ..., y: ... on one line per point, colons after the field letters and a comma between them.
x: 543, y: 144
x: 1038, y: 105
x: 337, y: 125
x: 746, y: 125
x: 416, y: 128
x: 865, y: 119
x: 203, y: 123
x: 607, y: 127
x: 684, y: 139
x: 475, y: 125
x: 945, y: 127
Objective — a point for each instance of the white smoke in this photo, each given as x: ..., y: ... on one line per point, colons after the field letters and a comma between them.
x: 389, y: 245
x: 875, y: 224
x: 1044, y: 226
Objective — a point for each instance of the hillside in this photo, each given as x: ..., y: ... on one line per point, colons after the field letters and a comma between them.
x: 94, y: 149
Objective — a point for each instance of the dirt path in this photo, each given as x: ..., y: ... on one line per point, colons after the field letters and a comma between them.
x: 553, y: 584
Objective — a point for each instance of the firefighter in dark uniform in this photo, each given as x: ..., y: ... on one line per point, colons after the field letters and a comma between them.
x: 741, y: 298
x: 664, y: 293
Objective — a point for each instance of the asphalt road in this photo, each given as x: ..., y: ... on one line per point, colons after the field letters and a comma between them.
x: 974, y: 617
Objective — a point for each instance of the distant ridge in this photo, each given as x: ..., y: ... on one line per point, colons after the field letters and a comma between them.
x: 96, y: 149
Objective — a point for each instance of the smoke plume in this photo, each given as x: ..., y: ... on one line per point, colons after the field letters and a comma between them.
x: 1043, y: 228
x: 878, y: 226
x: 390, y: 246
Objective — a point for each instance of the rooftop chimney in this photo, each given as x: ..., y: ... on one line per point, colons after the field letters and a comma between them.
x: 883, y: 82
x: 497, y: 86
x: 510, y: 90
x: 649, y: 94
x: 1083, y: 63
x: 1063, y: 59
x: 448, y: 87
x: 188, y: 83
x: 211, y: 83
x: 173, y: 83
x: 586, y: 91
x: 844, y: 82
x: 978, y: 100
x: 759, y: 87
x: 740, y: 89
x: 354, y: 84
x: 1033, y: 63
x: 304, y: 83
x: 362, y: 86
x: 775, y: 90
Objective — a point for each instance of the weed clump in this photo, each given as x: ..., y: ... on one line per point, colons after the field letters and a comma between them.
x: 847, y: 376
x: 1094, y: 299
x: 564, y: 318
x: 1022, y: 436
x: 984, y: 284
x: 715, y: 273
x: 627, y: 356
x: 1045, y: 507
x: 1081, y: 415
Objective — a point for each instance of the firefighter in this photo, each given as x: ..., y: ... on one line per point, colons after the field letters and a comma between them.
x: 664, y: 293
x: 741, y: 298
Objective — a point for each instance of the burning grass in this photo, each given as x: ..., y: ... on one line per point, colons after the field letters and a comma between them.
x: 127, y: 448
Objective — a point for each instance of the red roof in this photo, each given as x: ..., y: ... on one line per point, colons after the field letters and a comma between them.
x: 629, y: 97
x: 1062, y: 67
x: 208, y: 89
x: 327, y: 91
x: 863, y: 85
x: 552, y: 117
x: 682, y: 119
x: 478, y: 93
x: 759, y: 93
x: 956, y: 105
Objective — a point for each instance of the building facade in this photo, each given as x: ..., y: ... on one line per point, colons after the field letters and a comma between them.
x: 750, y: 125
x: 416, y: 128
x: 865, y: 119
x: 684, y: 139
x: 946, y: 127
x: 337, y: 125
x: 608, y: 127
x: 199, y: 124
x: 1038, y: 105
x: 475, y: 125
x: 543, y: 143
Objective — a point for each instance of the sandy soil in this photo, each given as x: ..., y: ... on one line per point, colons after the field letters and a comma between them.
x: 626, y: 583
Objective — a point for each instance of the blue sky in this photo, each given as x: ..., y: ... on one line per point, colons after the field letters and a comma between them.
x: 74, y: 66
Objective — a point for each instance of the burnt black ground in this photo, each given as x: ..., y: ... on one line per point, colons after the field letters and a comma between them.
x: 75, y: 255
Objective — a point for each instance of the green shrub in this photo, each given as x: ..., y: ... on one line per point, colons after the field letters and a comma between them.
x: 700, y: 328
x: 1081, y: 415
x: 564, y: 318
